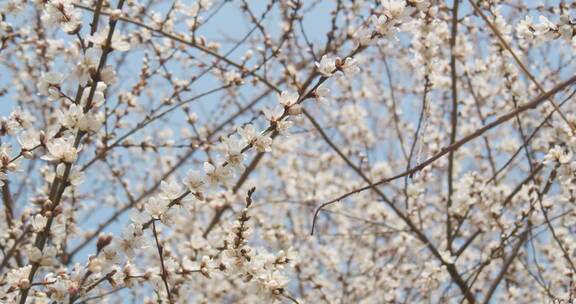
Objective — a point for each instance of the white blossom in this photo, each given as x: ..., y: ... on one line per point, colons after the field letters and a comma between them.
x: 156, y: 207
x: 62, y: 12
x: 273, y: 114
x: 545, y: 28
x: 396, y: 10
x: 117, y: 43
x: 321, y: 93
x: 18, y: 277
x: 61, y: 149
x: 39, y: 222
x: 288, y: 99
x: 86, y: 65
x: 525, y: 28
x: 194, y: 181
x: 206, y: 266
x: 350, y: 67
x: 216, y: 176
x: 29, y: 139
x: 263, y: 143
x: 326, y: 66
x: 170, y: 190
x: 363, y: 36
x: 49, y: 85
x: 234, y: 155
x: 248, y: 132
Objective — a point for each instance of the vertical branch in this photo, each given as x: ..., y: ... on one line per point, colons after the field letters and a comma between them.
x: 60, y: 183
x: 421, y: 126
x: 164, y: 274
x: 453, y: 121
x: 8, y: 203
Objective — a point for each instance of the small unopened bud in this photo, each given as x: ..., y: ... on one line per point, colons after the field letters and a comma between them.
x: 295, y: 110
x: 73, y: 289
x: 27, y: 154
x: 204, y: 272
x: 112, y: 282
x: 248, y: 278
x: 24, y: 284
x: 192, y: 117
x: 75, y: 30
x: 115, y: 14
x: 147, y: 276
x: 48, y: 205
x: 103, y: 241
x: 42, y: 137
x: 94, y: 265
x: 338, y: 62
x: 57, y: 211
x: 127, y: 270
x: 248, y: 55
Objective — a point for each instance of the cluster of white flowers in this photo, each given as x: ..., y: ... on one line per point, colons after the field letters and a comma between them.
x: 74, y: 118
x: 561, y: 158
x: 429, y: 36
x: 545, y: 30
x: 387, y: 21
x: 234, y: 152
x: 197, y: 5
x: 61, y: 150
x: 261, y: 143
x: 428, y: 169
x: 262, y: 270
x: 255, y: 266
x: 117, y: 42
x: 64, y: 14
x: 329, y: 67
x: 8, y: 162
x: 49, y: 85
